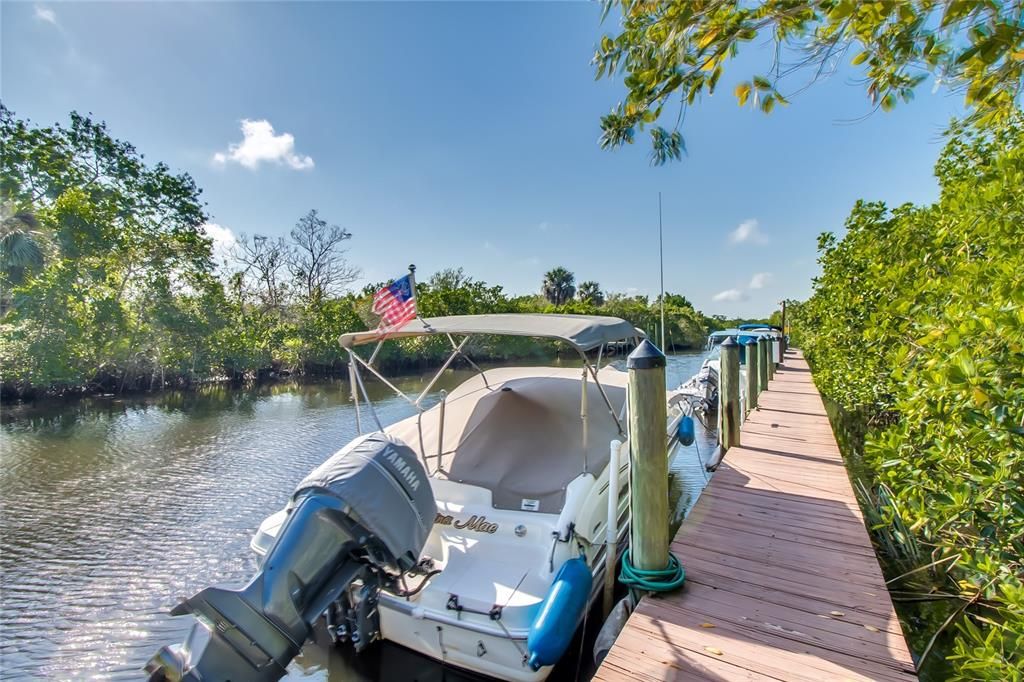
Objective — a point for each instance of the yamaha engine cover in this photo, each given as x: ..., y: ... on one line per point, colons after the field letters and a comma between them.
x: 367, y: 509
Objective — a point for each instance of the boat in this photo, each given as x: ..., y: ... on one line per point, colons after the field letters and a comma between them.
x: 705, y: 383
x: 744, y: 332
x: 473, y: 531
x: 775, y: 337
x: 701, y: 391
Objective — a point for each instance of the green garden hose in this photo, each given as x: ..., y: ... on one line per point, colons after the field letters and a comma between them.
x: 663, y: 580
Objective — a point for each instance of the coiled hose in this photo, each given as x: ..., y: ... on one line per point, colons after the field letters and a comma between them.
x: 662, y: 580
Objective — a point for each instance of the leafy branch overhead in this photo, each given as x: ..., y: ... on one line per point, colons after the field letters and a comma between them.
x: 673, y: 51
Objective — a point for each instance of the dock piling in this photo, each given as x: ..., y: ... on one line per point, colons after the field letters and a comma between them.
x: 783, y: 325
x: 729, y: 394
x: 752, y: 377
x: 763, y: 357
x: 648, y: 451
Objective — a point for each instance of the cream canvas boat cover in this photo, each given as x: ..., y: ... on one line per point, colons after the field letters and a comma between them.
x: 583, y: 332
x: 520, y: 435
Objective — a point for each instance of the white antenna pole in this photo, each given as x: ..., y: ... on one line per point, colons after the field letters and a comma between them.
x: 661, y: 263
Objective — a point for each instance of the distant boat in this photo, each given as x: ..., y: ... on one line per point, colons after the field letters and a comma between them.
x: 701, y: 391
x: 745, y: 332
x: 703, y: 386
x: 473, y: 532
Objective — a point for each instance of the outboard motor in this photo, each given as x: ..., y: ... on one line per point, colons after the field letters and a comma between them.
x: 354, y: 524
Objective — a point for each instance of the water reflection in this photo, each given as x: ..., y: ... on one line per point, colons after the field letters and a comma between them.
x: 114, y: 509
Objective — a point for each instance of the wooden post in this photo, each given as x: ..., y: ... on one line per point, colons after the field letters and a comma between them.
x: 762, y: 364
x: 771, y: 359
x: 648, y: 451
x: 752, y: 379
x: 783, y: 358
x: 729, y: 393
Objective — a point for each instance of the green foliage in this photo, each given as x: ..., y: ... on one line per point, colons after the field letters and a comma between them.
x: 23, y: 245
x: 917, y: 327
x: 559, y: 285
x: 123, y: 288
x: 678, y: 49
x: 590, y: 292
x: 109, y: 285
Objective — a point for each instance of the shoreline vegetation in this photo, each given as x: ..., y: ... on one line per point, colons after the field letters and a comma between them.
x: 915, y: 335
x: 114, y: 281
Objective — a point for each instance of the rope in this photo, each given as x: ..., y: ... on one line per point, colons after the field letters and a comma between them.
x: 701, y: 462
x: 583, y: 640
x: 521, y: 650
x: 663, y: 580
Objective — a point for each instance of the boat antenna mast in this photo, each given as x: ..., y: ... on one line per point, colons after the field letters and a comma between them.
x: 661, y: 266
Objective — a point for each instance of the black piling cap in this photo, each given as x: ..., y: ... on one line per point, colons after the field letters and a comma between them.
x: 730, y: 341
x: 751, y: 341
x: 645, y: 356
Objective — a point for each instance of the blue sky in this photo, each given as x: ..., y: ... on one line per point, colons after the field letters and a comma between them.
x: 465, y: 134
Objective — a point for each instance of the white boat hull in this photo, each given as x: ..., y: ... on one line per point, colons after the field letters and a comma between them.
x: 452, y: 643
x: 491, y: 568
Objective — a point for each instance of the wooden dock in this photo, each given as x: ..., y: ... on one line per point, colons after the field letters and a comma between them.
x: 781, y: 579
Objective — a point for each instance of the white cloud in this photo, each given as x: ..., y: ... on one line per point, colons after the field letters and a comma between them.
x: 260, y: 144
x: 730, y: 295
x: 748, y: 231
x: 46, y: 14
x: 759, y: 280
x: 84, y: 68
x: 223, y: 239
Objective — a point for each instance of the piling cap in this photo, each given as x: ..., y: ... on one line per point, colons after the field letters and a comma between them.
x: 730, y: 341
x: 751, y: 341
x: 645, y: 356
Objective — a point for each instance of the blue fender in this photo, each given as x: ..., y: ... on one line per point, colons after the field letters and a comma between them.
x: 686, y: 430
x: 559, y: 614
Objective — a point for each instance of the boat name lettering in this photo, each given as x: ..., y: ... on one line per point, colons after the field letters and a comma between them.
x: 480, y: 524
x: 404, y: 470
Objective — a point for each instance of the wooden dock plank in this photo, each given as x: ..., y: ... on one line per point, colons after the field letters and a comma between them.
x: 778, y: 562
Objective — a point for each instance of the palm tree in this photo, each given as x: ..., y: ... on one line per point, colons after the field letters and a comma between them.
x: 559, y: 285
x: 22, y: 243
x: 590, y: 292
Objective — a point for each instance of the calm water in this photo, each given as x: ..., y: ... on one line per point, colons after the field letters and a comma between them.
x: 113, y: 510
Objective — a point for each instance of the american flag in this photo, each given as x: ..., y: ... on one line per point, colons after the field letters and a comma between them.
x: 396, y: 305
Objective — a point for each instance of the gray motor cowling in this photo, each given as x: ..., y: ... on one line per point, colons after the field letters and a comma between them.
x: 363, y: 515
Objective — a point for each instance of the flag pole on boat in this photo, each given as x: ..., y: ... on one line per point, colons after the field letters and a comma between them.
x: 661, y: 264
x: 412, y: 287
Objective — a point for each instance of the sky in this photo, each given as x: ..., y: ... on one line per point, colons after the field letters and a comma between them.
x: 464, y: 134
